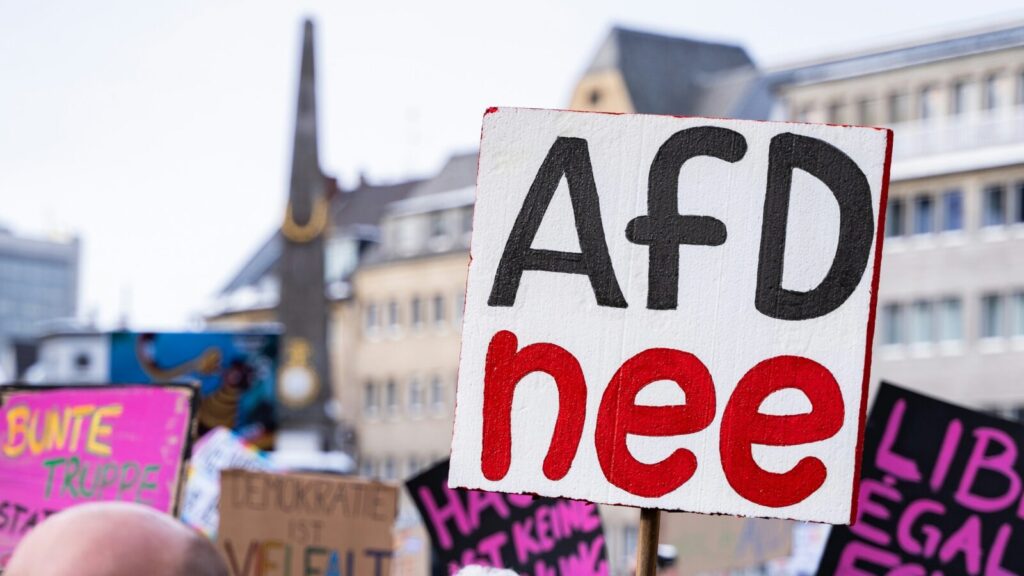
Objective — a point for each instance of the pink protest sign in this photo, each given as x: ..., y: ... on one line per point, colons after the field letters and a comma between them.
x: 62, y: 446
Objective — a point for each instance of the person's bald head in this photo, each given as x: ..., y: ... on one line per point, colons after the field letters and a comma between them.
x: 114, y: 539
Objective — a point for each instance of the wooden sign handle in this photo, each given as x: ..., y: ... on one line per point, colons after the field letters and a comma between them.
x: 647, y: 542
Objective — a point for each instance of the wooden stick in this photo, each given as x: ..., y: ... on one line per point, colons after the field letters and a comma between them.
x: 647, y: 542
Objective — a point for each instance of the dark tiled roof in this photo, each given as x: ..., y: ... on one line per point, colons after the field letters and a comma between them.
x: 351, y: 212
x: 902, y: 56
x: 458, y: 172
x: 665, y: 74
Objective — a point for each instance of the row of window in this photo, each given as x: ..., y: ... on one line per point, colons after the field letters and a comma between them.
x: 928, y: 213
x: 899, y: 107
x: 928, y: 321
x: 392, y: 316
x: 923, y: 322
x: 391, y: 468
x: 421, y: 396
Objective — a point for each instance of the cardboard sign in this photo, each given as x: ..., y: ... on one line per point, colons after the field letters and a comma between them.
x: 672, y: 313
x: 62, y: 446
x: 712, y: 544
x: 530, y: 535
x: 219, y: 450
x: 287, y: 524
x: 941, y: 493
x: 236, y: 372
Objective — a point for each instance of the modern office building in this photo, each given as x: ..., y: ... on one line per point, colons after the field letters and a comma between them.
x: 38, y: 285
x: 951, y: 299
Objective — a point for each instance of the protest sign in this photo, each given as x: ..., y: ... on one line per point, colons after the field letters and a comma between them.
x: 941, y: 493
x: 530, y: 535
x: 63, y: 446
x: 711, y: 544
x: 280, y: 524
x: 219, y: 450
x: 236, y: 371
x: 671, y: 313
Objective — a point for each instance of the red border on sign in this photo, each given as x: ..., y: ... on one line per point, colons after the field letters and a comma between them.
x: 879, y: 240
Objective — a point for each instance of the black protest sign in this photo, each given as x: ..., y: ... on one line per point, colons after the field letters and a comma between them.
x: 530, y: 535
x: 940, y: 493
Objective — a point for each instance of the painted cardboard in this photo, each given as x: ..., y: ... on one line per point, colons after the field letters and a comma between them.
x: 727, y: 262
x: 63, y: 446
x: 941, y: 493
x: 236, y: 371
x: 713, y: 544
x: 305, y: 524
x: 526, y: 534
x: 220, y: 449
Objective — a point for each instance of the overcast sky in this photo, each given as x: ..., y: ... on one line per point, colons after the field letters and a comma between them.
x: 160, y: 132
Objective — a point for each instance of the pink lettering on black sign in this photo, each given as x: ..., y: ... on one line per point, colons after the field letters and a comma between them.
x: 530, y: 535
x: 942, y: 492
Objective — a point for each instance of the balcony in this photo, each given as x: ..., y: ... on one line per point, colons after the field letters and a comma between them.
x: 972, y: 141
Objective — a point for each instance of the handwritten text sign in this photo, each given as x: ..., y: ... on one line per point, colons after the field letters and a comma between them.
x: 220, y: 449
x: 530, y: 535
x: 941, y: 493
x: 305, y: 524
x: 64, y: 446
x: 671, y: 312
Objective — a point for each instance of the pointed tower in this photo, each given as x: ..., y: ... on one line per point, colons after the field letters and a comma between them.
x: 304, y: 380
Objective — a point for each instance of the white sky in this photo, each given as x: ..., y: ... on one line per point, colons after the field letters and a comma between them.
x: 160, y: 131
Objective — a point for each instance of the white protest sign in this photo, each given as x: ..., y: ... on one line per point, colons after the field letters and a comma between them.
x: 671, y: 313
x: 220, y: 449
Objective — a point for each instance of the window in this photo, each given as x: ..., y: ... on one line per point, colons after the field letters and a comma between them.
x: 924, y: 214
x: 415, y: 396
x: 1018, y: 209
x: 993, y: 210
x: 371, y: 318
x: 952, y: 210
x: 388, y: 471
x: 417, y: 312
x: 436, y: 224
x: 1017, y: 315
x: 1020, y: 87
x: 898, y: 107
x: 436, y: 393
x: 414, y: 465
x: 990, y: 95
x: 951, y: 320
x: 370, y: 399
x: 836, y: 113
x: 892, y: 322
x: 958, y: 97
x: 366, y: 468
x: 992, y: 316
x: 803, y: 113
x: 391, y: 396
x: 460, y: 306
x: 393, y: 316
x: 894, y: 218
x: 924, y: 103
x: 921, y: 322
x: 467, y: 220
x: 439, y: 310
x: 866, y: 112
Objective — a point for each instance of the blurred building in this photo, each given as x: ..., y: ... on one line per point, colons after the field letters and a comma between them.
x: 951, y: 299
x: 951, y: 305
x: 38, y: 284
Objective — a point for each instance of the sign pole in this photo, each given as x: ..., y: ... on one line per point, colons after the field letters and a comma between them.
x: 647, y: 542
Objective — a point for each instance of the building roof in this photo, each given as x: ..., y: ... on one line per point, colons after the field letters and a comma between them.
x: 352, y: 213
x: 911, y: 54
x: 666, y: 74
